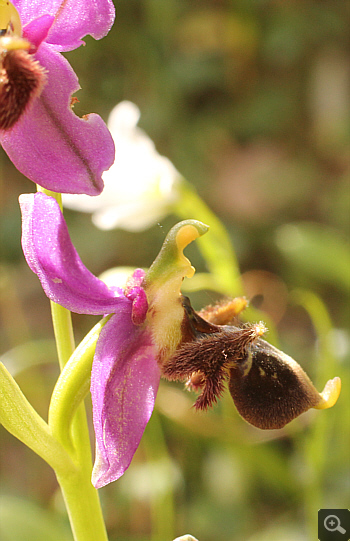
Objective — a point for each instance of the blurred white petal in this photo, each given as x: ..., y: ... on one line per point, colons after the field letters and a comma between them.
x: 116, y: 276
x: 186, y: 537
x: 141, y: 185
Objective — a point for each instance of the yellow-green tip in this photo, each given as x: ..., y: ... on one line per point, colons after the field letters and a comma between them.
x: 162, y: 284
x: 171, y: 260
x: 330, y: 394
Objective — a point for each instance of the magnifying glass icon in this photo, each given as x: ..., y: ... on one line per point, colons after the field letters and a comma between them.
x: 332, y: 524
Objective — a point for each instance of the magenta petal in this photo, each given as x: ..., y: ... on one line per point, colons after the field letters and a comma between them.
x: 54, y: 147
x: 37, y: 30
x: 135, y: 279
x: 124, y: 383
x: 74, y: 19
x: 139, y: 304
x: 51, y: 255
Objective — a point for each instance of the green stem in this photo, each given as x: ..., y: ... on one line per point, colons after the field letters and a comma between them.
x: 216, y: 247
x: 83, y: 506
x: 162, y: 504
x: 73, y: 385
x: 315, y: 446
x: 81, y: 498
x: 323, y: 326
x: 61, y: 317
x: 217, y: 251
x: 63, y: 328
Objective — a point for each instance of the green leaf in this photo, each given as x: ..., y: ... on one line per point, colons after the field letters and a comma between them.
x: 24, y: 356
x: 317, y: 251
x: 21, y: 519
x: 22, y: 421
x: 73, y: 385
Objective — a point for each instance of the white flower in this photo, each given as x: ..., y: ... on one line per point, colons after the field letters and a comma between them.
x: 140, y: 187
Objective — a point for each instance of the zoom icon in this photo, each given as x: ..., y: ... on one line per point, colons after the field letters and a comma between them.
x: 334, y: 525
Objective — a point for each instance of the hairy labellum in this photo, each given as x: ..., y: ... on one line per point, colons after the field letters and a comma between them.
x: 207, y: 361
x: 22, y: 79
x: 268, y: 387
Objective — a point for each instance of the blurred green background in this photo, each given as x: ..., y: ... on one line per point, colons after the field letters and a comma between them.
x: 250, y: 99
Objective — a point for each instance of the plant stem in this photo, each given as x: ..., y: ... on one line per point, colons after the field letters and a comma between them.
x: 72, y: 386
x: 162, y: 503
x: 216, y: 247
x: 218, y: 253
x: 61, y: 317
x: 63, y: 330
x: 81, y: 498
x: 83, y: 506
x: 316, y: 445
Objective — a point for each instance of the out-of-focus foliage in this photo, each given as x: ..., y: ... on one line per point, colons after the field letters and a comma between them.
x: 250, y: 99
x: 20, y: 518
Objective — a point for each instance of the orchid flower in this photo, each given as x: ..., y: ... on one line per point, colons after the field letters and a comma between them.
x: 140, y: 187
x: 39, y: 130
x: 126, y: 372
x: 153, y: 331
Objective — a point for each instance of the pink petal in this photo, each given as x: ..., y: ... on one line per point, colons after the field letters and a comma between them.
x: 51, y: 255
x: 124, y: 383
x: 139, y: 304
x: 74, y: 19
x: 135, y: 279
x: 36, y: 31
x: 50, y: 144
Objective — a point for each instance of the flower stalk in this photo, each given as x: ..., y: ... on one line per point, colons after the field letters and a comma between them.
x: 216, y: 248
x: 73, y: 385
x: 68, y: 424
x: 83, y: 506
x: 61, y: 317
x: 67, y: 420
